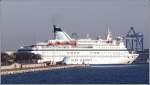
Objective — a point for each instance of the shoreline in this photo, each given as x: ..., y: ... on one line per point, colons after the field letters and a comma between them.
x: 16, y: 71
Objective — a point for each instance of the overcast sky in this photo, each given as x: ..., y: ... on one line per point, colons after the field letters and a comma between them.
x: 26, y: 22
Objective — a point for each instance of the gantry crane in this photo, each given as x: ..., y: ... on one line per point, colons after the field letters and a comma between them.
x: 134, y: 41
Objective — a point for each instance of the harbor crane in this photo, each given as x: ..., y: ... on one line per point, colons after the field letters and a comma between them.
x: 134, y: 41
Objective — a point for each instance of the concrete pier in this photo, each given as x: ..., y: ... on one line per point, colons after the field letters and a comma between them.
x: 22, y: 70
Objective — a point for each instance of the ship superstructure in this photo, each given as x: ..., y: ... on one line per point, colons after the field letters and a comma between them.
x: 82, y: 51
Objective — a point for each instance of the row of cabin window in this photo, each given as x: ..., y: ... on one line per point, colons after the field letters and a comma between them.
x: 81, y: 59
x: 109, y: 47
x: 102, y: 52
x: 106, y: 52
x: 73, y: 52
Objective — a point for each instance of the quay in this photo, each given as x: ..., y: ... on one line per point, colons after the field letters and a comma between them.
x: 39, y: 68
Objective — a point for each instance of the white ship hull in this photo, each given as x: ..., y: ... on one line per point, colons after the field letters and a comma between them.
x: 100, y: 60
x: 91, y: 60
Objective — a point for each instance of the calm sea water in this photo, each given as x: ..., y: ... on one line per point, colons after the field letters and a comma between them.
x: 102, y: 74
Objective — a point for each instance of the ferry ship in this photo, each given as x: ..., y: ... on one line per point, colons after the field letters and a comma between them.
x: 81, y: 51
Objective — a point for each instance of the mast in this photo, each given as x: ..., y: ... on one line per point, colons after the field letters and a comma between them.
x: 54, y: 35
x: 109, y: 35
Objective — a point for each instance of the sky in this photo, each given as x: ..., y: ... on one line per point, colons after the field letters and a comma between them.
x: 26, y: 22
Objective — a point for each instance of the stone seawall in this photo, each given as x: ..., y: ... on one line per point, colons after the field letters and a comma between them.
x: 17, y: 65
x: 33, y: 69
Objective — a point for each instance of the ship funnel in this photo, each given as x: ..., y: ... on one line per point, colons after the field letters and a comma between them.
x: 56, y: 29
x: 60, y: 34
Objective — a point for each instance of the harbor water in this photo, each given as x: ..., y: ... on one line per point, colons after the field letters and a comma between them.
x: 94, y: 74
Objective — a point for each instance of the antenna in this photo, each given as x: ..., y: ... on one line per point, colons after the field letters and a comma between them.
x: 108, y: 28
x: 54, y: 35
x: 107, y: 31
x: 35, y: 33
x: 87, y: 35
x: 109, y: 35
